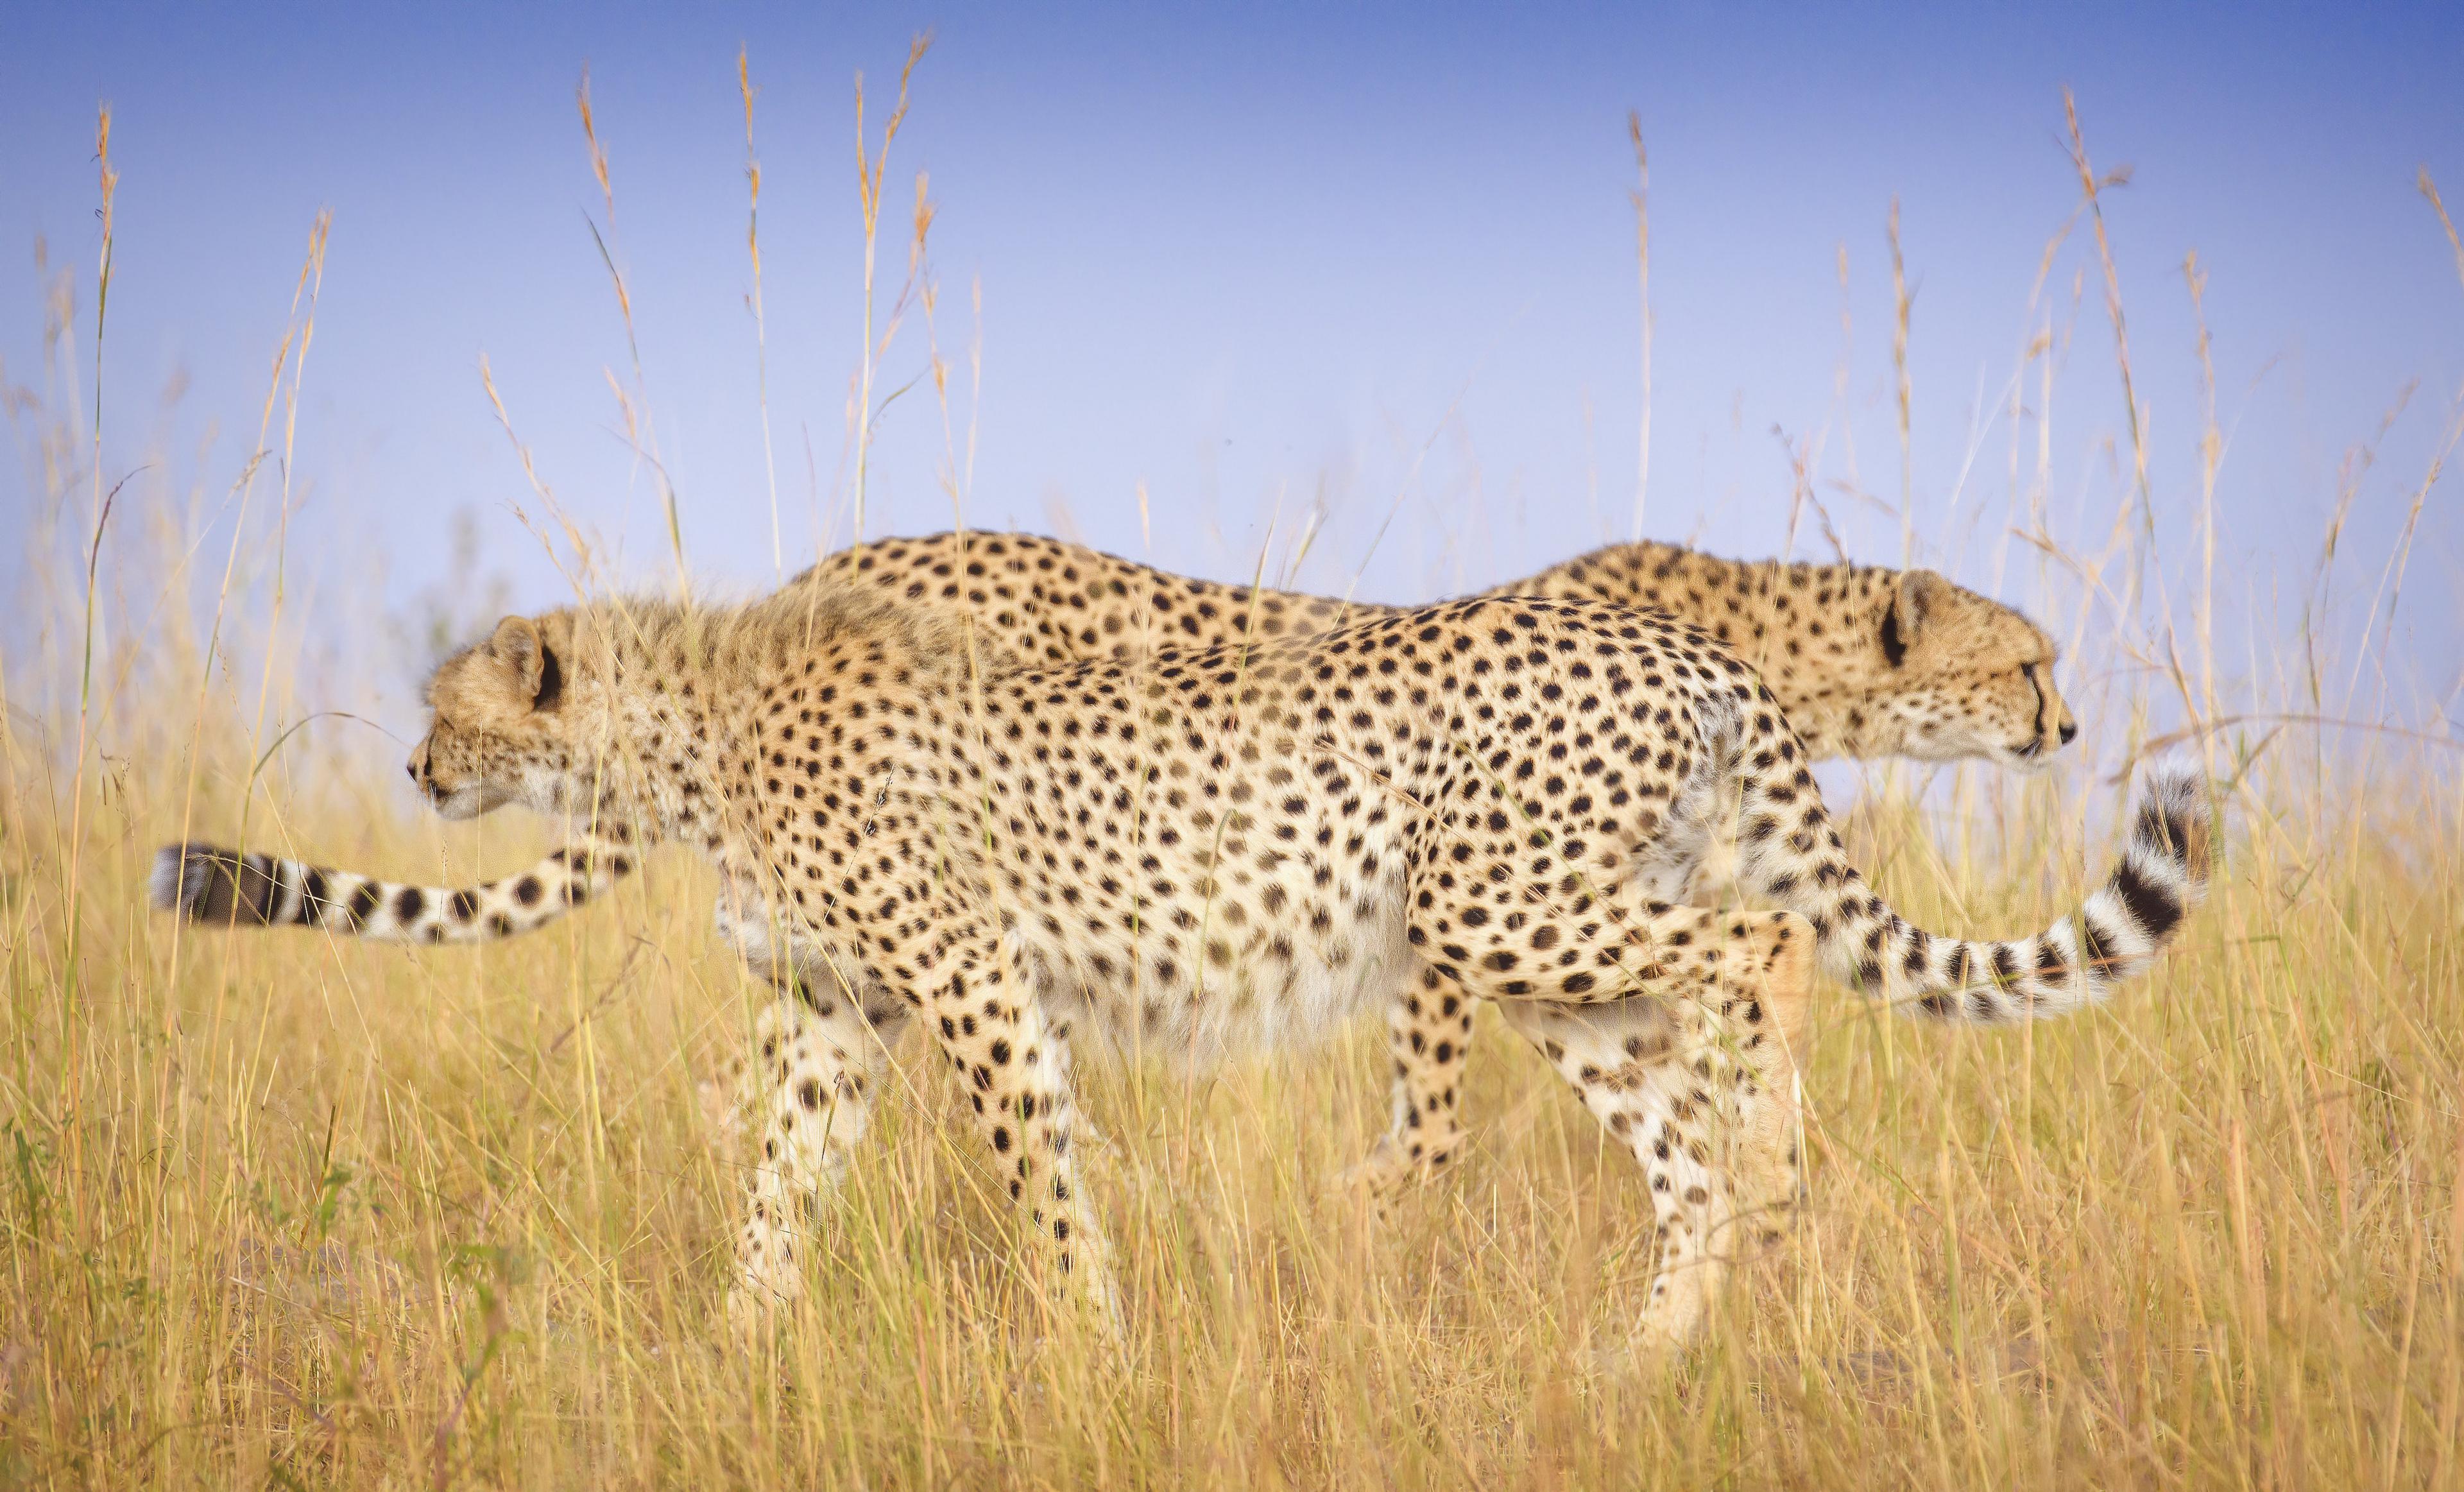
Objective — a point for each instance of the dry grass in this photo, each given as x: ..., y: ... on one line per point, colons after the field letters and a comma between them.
x: 281, y: 1210
x: 284, y: 1211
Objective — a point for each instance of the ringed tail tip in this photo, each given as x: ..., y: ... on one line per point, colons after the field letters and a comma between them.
x: 2176, y: 816
x: 170, y: 888
x: 207, y: 884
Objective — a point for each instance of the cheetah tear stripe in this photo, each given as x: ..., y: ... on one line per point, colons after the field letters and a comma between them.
x: 224, y: 888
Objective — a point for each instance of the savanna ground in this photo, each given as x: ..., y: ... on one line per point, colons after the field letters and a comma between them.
x: 286, y: 1211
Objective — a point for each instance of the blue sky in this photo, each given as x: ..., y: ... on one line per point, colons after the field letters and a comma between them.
x: 1380, y: 260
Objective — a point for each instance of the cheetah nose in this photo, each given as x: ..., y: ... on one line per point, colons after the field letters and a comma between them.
x: 2070, y: 731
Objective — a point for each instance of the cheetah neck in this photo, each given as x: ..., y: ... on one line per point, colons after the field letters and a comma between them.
x: 709, y: 715
x: 1816, y: 633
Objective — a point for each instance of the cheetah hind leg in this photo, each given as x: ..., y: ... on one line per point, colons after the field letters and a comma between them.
x: 805, y: 1091
x: 1012, y: 1057
x: 731, y: 1097
x: 1429, y: 1036
x: 1700, y: 1082
x: 1428, y: 1033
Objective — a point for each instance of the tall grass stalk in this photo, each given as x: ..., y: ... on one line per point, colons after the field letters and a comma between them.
x: 1904, y: 390
x: 760, y: 326
x: 108, y: 180
x: 635, y: 404
x: 870, y: 167
x: 1642, y: 287
x: 2092, y: 190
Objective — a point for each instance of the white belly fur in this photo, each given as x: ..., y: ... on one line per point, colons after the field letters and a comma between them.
x: 1210, y: 1012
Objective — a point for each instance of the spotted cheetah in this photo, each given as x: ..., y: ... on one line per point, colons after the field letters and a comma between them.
x: 1484, y: 799
x: 1865, y: 662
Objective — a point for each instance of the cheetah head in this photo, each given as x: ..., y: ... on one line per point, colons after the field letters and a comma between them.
x: 1967, y: 677
x: 498, y: 732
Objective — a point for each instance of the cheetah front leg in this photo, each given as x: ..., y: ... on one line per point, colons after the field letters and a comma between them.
x: 735, y: 1098
x: 807, y: 1097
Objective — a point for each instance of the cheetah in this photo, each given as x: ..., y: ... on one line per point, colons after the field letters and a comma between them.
x: 1228, y: 846
x: 1865, y: 662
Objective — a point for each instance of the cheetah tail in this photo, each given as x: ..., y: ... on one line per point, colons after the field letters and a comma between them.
x: 2114, y: 935
x: 224, y: 888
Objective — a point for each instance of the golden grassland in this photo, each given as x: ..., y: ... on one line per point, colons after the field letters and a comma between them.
x: 284, y: 1210
x: 279, y: 1210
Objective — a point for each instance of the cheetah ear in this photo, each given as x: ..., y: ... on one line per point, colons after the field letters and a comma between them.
x: 518, y: 646
x: 1920, y: 596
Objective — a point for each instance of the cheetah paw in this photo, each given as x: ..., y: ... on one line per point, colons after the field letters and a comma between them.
x: 1386, y: 1176
x: 723, y: 1107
